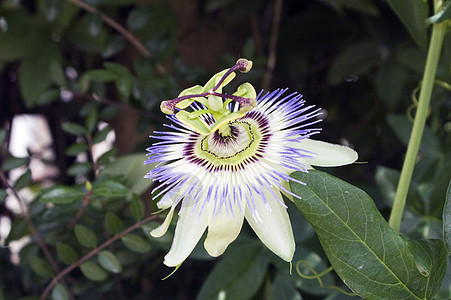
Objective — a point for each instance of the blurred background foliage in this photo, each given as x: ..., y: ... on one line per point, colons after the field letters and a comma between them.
x: 94, y: 72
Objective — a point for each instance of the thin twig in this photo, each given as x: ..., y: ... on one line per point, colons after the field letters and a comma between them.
x: 35, y: 233
x: 119, y: 28
x: 273, y: 44
x: 94, y: 252
x: 81, y: 211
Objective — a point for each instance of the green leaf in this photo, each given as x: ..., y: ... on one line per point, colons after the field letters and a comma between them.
x: 238, y: 275
x: 59, y: 292
x: 79, y: 169
x: 135, y: 243
x: 23, y: 181
x: 370, y: 257
x: 356, y: 59
x: 413, y: 14
x: 60, y: 194
x: 48, y: 97
x: 131, y: 167
x: 66, y: 254
x: 101, y: 135
x: 390, y: 82
x: 447, y: 220
x: 113, y: 223
x: 14, y: 162
x: 85, y: 236
x: 40, y: 266
x: 442, y: 15
x: 73, y: 128
x: 110, y: 188
x: 57, y: 74
x: 77, y: 148
x: 137, y: 207
x: 101, y: 75
x: 109, y: 262
x: 19, y: 229
x: 107, y: 157
x: 93, y: 271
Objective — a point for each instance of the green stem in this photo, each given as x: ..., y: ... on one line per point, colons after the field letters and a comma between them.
x: 435, y: 46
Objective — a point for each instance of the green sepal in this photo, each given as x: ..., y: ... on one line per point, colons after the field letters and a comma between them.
x: 197, y: 89
x: 228, y: 118
x: 197, y: 124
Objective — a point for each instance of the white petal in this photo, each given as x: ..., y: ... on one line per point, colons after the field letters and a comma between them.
x: 188, y: 232
x: 223, y: 230
x: 274, y: 229
x: 161, y: 230
x: 326, y: 154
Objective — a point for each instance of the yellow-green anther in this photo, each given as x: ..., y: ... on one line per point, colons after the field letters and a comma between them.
x: 197, y: 89
x: 226, y: 119
x: 167, y: 107
x: 246, y: 65
x: 196, y: 124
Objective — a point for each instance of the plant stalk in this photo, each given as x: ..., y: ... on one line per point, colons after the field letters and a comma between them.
x: 435, y: 46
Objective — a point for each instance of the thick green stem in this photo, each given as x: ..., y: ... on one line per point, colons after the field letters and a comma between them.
x: 435, y: 46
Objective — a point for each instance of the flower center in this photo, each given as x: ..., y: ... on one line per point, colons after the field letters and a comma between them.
x: 228, y: 146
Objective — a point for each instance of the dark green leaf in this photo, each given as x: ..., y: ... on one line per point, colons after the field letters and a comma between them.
x: 60, y: 194
x: 118, y: 69
x: 79, y: 169
x: 138, y: 18
x: 101, y: 135
x: 19, y: 229
x: 73, y: 128
x: 66, y: 254
x: 23, y: 181
x: 107, y: 157
x: 40, y: 266
x: 137, y: 207
x: 91, y: 119
x: 283, y: 289
x: 3, y: 135
x: 109, y: 261
x: 443, y: 15
x: 110, y: 188
x: 402, y: 127
x: 59, y: 292
x: 14, y: 162
x: 363, y: 249
x: 113, y: 223
x: 124, y: 86
x: 113, y: 46
x: 390, y: 81
x: 355, y: 60
x: 3, y: 195
x: 85, y: 236
x: 93, y: 271
x: 77, y: 148
x: 57, y: 74
x: 136, y: 243
x: 413, y: 14
x: 101, y: 75
x: 238, y: 275
x: 447, y: 220
x: 34, y: 78
x: 48, y: 97
x: 109, y: 112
